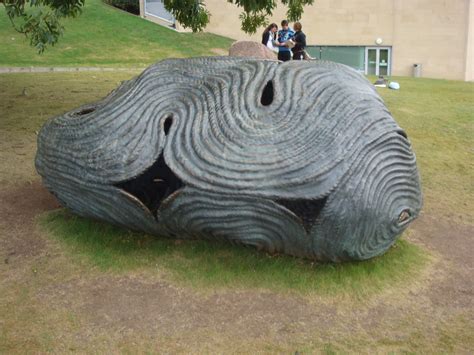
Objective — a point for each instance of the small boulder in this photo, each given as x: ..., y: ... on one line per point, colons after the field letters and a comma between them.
x: 251, y: 49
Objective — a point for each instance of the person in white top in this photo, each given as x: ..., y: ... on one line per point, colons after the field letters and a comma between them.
x: 268, y: 36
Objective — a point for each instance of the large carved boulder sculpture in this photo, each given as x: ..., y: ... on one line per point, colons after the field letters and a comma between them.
x: 301, y: 157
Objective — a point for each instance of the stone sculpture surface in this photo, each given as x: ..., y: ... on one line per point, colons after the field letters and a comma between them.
x: 301, y: 157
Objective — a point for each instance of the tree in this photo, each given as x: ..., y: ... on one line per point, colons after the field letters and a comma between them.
x: 40, y: 20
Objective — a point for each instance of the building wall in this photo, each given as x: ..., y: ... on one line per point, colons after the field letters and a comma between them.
x: 434, y: 33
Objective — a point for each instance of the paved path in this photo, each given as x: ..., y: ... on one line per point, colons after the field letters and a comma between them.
x: 4, y: 70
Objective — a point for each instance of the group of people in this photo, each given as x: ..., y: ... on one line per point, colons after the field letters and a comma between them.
x: 289, y: 43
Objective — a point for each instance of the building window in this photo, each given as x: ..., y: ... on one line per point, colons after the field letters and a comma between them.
x: 368, y: 60
x: 157, y: 9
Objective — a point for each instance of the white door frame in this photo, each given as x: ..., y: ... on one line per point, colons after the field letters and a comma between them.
x: 377, y: 60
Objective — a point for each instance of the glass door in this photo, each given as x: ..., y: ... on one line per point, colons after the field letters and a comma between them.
x: 371, y: 61
x: 384, y: 59
x: 377, y: 61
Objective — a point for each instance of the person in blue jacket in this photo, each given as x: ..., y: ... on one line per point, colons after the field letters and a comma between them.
x: 284, y: 35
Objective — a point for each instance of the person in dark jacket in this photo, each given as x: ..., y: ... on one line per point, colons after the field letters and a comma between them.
x: 300, y: 42
x: 268, y: 36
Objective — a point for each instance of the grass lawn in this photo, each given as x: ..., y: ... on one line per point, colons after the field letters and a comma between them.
x: 438, y: 116
x: 197, y: 263
x: 105, y: 36
x: 440, y: 130
x: 69, y: 284
x: 211, y: 266
x: 441, y: 134
x: 96, y: 288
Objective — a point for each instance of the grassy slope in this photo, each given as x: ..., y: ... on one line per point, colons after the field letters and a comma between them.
x: 105, y: 36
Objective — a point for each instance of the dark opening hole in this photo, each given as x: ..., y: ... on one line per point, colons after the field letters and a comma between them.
x: 307, y: 210
x: 267, y: 94
x: 85, y: 111
x: 402, y: 133
x: 153, y: 185
x: 167, y: 125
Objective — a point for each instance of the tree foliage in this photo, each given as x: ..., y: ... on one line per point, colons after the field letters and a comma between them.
x: 40, y: 20
x: 193, y: 13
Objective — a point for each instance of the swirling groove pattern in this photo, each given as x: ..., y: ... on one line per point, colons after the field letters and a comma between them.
x: 326, y: 135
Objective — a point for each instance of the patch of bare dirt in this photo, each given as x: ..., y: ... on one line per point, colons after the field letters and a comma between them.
x: 455, y: 241
x: 134, y: 306
x: 19, y: 207
x: 137, y: 304
x: 455, y: 244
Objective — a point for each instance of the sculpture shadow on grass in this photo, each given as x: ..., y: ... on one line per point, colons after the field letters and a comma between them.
x: 301, y: 158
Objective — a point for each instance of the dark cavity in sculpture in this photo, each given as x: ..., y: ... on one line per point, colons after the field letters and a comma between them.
x: 167, y: 125
x: 267, y: 94
x: 307, y: 210
x: 154, y: 185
